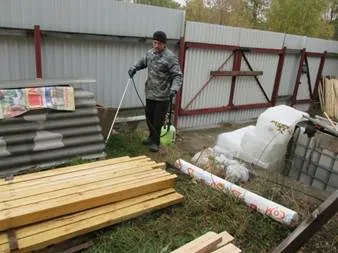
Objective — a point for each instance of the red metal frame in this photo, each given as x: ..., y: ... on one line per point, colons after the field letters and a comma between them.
x: 235, y: 67
x: 299, y: 74
x: 37, y: 46
x: 278, y: 76
x: 319, y: 74
x: 178, y: 98
x: 224, y: 109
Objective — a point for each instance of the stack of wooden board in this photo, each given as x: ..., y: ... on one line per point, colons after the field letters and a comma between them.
x: 210, y: 242
x: 48, y: 207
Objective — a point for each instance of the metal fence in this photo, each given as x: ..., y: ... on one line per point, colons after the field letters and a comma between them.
x: 230, y: 73
x: 234, y: 73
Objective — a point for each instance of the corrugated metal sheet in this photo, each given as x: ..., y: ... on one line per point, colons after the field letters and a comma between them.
x: 16, y: 58
x: 214, y: 34
x: 43, y: 138
x: 330, y: 67
x: 218, y: 34
x: 303, y: 91
x: 87, y: 16
x: 289, y: 75
x: 214, y: 119
x: 105, y: 61
x: 247, y: 90
x: 198, y: 64
x: 260, y: 39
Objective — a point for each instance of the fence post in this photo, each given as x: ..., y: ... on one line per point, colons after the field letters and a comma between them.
x: 37, y: 47
x: 299, y: 74
x: 278, y: 76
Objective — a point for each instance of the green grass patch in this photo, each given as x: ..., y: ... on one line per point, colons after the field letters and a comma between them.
x: 205, y: 209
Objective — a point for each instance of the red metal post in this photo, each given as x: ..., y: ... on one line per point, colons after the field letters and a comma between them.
x: 299, y: 74
x: 235, y: 67
x: 178, y: 98
x: 278, y: 76
x: 37, y: 46
x: 319, y: 74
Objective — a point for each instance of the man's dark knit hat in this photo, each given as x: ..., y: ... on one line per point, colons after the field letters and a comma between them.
x: 160, y: 36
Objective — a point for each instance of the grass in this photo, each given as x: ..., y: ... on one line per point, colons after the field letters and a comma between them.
x: 205, y: 210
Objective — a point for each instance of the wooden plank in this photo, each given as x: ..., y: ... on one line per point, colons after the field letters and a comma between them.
x: 54, y: 175
x: 78, y: 202
x: 79, y: 189
x: 48, y: 173
x: 202, y: 244
x: 226, y: 238
x: 83, y: 215
x: 236, y: 73
x: 310, y: 225
x: 229, y: 248
x: 41, y: 240
x: 22, y: 192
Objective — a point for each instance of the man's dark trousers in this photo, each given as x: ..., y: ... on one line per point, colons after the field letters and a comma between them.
x: 155, y: 113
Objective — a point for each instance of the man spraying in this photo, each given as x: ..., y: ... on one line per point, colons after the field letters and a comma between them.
x: 163, y: 81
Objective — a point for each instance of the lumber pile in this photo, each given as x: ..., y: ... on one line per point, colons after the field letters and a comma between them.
x: 328, y: 97
x: 44, y: 208
x: 210, y: 242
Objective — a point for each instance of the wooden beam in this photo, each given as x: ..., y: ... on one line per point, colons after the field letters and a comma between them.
x: 83, y: 226
x: 226, y: 238
x: 41, y: 227
x: 48, y: 173
x: 229, y: 248
x: 202, y: 244
x: 77, y: 202
x: 34, y: 194
x: 236, y: 73
x: 310, y: 225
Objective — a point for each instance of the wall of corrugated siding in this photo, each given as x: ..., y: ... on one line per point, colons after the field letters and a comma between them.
x: 88, y: 16
x: 214, y: 119
x: 199, y: 63
x: 39, y: 139
x: 105, y: 61
x: 16, y: 58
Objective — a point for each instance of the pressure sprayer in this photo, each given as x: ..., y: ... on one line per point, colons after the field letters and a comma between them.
x: 168, y: 131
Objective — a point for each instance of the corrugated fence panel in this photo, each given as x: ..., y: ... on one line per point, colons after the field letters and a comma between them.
x: 303, y: 91
x: 214, y: 34
x: 87, y: 16
x: 198, y: 64
x: 16, y: 58
x: 247, y: 90
x: 260, y: 39
x: 289, y: 74
x: 45, y: 138
x: 105, y: 61
x: 214, y: 119
x: 330, y: 67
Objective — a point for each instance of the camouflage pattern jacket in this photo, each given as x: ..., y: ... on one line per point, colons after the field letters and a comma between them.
x: 164, y: 73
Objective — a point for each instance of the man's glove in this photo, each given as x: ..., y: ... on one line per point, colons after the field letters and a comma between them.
x: 172, y: 93
x: 131, y: 71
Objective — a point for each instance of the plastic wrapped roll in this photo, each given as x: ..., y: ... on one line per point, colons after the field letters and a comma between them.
x: 267, y: 207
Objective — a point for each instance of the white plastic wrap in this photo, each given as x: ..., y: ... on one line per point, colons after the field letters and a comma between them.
x: 254, y: 201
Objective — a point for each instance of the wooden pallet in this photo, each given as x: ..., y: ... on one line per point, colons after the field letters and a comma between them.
x: 48, y: 207
x: 210, y: 242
